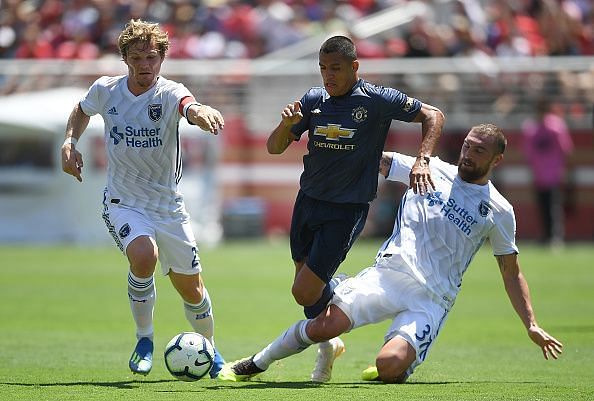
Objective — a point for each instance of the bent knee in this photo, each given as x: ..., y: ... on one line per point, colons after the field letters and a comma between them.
x: 304, y: 296
x: 392, y: 369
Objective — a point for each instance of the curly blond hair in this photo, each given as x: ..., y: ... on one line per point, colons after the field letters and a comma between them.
x: 142, y: 31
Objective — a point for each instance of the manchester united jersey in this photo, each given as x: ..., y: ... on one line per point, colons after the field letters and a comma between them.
x: 346, y: 138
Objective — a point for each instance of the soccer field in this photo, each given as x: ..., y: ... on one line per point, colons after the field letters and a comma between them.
x: 66, y: 332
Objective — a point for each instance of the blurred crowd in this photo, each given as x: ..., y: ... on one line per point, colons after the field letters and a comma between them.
x: 209, y: 29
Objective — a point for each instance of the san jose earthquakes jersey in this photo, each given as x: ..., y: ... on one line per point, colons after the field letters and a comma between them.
x: 141, y: 141
x: 346, y: 138
x: 436, y: 235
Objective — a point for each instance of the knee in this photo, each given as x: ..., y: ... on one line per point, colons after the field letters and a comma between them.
x: 391, y: 368
x: 304, y: 296
x: 142, y: 255
x: 330, y: 324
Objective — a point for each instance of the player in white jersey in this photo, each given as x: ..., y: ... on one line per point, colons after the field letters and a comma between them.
x: 418, y: 270
x: 143, y: 209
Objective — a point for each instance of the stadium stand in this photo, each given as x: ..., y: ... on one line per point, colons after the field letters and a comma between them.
x: 478, y: 60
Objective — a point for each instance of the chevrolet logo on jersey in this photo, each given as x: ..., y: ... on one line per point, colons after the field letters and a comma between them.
x: 334, y: 132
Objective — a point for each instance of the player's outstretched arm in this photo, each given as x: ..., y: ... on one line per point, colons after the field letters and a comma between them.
x: 432, y: 120
x: 207, y: 118
x: 518, y: 292
x: 72, y: 162
x: 280, y: 139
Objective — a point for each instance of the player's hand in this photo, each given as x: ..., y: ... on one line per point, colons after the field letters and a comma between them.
x: 209, y: 119
x: 549, y: 345
x: 72, y: 162
x: 385, y: 163
x: 420, y: 177
x: 291, y: 114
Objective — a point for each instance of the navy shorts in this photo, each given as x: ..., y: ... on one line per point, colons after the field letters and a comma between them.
x: 323, y: 232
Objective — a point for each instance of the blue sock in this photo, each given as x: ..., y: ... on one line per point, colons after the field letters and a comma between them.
x: 314, y: 310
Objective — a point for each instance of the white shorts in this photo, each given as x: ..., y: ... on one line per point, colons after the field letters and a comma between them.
x: 379, y: 293
x: 175, y: 240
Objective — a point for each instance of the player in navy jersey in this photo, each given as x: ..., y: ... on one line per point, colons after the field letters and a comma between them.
x: 347, y: 121
x: 418, y: 271
x: 143, y: 209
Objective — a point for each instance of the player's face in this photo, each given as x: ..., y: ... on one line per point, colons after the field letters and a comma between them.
x: 144, y: 64
x: 338, y: 73
x: 477, y: 158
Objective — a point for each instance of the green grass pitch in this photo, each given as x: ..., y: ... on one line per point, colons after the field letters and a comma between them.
x: 66, y: 332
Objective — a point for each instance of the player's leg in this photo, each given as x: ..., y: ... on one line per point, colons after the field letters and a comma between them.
x: 557, y: 219
x: 180, y: 261
x: 142, y: 255
x: 302, y: 334
x: 295, y: 339
x: 544, y: 203
x: 134, y: 235
x: 322, y: 233
x: 308, y: 288
x: 394, y: 360
x: 417, y: 319
x: 339, y: 228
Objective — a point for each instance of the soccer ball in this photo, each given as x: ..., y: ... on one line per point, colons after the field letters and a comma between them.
x: 189, y: 356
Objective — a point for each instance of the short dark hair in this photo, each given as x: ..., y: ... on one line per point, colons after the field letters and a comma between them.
x: 340, y: 44
x: 491, y: 130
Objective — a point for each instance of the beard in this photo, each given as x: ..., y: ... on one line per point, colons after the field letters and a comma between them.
x: 470, y: 172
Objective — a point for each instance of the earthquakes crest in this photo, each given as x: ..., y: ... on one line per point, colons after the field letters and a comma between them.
x: 155, y: 111
x: 484, y: 208
x: 124, y: 231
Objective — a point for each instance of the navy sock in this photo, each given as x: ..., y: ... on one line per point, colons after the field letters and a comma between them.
x: 314, y: 310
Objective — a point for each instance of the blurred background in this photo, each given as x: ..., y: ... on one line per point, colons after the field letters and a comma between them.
x: 525, y: 65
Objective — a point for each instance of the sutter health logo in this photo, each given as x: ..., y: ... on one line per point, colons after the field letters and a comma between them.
x: 136, y: 137
x: 454, y: 212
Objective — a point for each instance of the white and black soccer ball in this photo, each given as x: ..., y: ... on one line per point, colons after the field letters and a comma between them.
x: 189, y: 356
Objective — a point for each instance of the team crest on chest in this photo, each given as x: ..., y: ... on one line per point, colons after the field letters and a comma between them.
x: 155, y: 111
x: 359, y: 114
x: 484, y: 208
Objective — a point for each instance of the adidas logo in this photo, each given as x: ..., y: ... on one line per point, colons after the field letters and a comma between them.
x: 112, y: 111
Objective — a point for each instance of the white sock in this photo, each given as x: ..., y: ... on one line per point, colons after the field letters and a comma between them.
x: 291, y: 342
x: 200, y: 317
x: 325, y: 345
x: 142, y: 294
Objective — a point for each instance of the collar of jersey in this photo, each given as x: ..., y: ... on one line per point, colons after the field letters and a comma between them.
x: 358, y: 84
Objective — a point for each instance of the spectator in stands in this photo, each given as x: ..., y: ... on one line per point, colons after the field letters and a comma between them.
x: 547, y: 144
x: 242, y: 28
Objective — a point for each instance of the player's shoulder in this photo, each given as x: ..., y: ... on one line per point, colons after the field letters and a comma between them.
x: 373, y: 89
x: 446, y: 168
x: 314, y: 97
x: 175, y: 90
x: 164, y: 82
x: 370, y: 86
x: 499, y: 200
x: 316, y: 92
